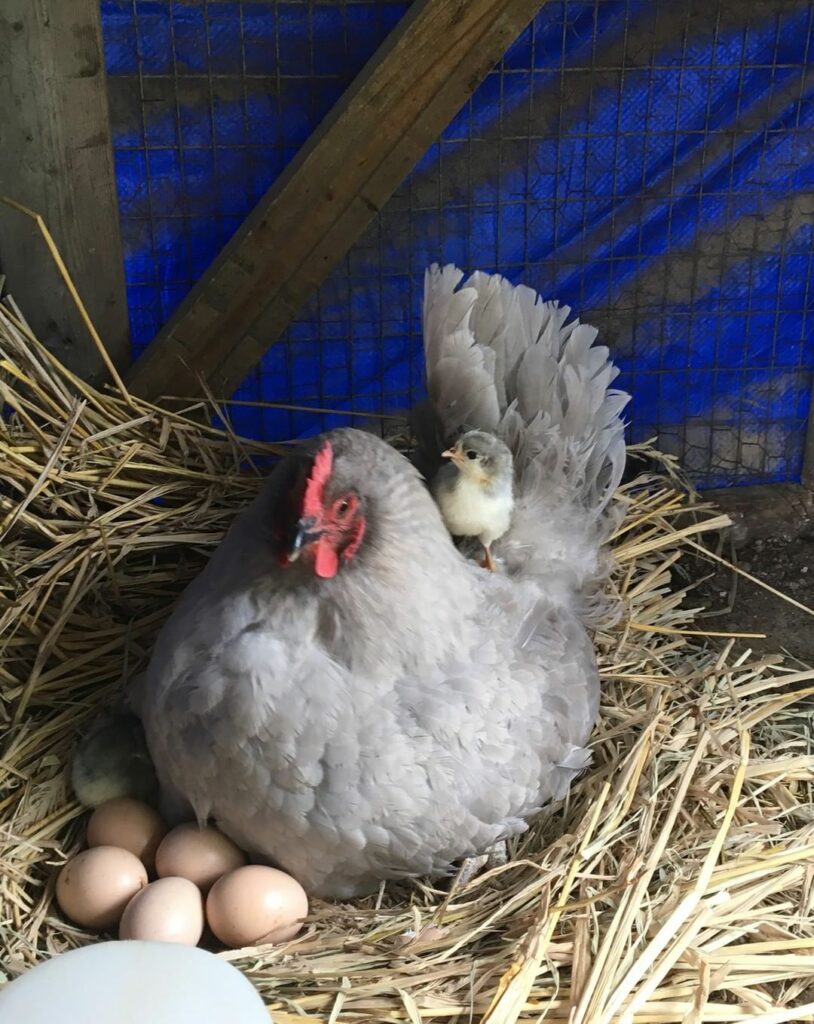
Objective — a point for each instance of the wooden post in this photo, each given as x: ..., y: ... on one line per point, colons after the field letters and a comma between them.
x: 302, y: 228
x: 56, y: 159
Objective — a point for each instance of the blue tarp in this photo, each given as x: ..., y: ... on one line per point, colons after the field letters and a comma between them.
x: 648, y: 162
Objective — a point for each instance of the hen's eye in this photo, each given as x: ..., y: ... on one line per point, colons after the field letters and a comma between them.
x: 343, y: 507
x: 471, y: 454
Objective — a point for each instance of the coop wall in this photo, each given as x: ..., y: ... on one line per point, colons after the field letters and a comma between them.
x: 648, y: 162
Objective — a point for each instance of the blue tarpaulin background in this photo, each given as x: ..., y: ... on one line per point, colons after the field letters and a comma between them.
x: 648, y: 162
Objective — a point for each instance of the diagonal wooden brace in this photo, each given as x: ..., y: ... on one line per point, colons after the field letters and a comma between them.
x: 308, y: 220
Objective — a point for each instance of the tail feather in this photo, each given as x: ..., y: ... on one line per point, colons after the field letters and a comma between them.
x: 502, y: 360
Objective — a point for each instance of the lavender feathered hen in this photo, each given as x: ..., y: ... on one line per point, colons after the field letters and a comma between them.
x: 342, y: 691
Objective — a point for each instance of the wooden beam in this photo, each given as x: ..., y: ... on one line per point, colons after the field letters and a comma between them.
x: 56, y: 159
x: 305, y: 224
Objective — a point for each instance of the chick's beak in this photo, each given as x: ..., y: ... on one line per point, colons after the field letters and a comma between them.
x: 308, y: 531
x: 455, y: 454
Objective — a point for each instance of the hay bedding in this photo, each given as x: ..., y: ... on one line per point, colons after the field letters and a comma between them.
x: 676, y: 884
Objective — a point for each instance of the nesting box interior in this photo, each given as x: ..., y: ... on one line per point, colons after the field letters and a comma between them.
x: 238, y: 204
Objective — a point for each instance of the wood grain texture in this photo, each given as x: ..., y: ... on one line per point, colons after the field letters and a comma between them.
x: 305, y: 224
x: 56, y: 158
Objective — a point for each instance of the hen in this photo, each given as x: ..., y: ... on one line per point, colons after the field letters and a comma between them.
x: 344, y: 693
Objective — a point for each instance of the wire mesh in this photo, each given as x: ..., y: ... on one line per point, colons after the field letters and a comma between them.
x: 648, y: 162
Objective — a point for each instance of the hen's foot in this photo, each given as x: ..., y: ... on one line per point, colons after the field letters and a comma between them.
x: 496, y: 856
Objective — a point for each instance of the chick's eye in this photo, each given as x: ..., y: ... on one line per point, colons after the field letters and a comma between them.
x: 471, y: 454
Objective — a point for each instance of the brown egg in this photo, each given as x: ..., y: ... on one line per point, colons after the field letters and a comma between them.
x: 256, y: 904
x: 129, y: 824
x: 96, y: 885
x: 200, y: 854
x: 169, y: 910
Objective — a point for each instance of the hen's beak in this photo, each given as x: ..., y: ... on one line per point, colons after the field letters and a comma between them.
x: 308, y: 531
x: 455, y: 454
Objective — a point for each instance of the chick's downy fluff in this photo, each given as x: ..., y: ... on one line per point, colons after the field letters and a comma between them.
x: 113, y: 761
x: 345, y: 694
x: 475, y: 489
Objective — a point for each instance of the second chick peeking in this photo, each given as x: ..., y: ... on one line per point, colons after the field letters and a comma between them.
x: 475, y: 490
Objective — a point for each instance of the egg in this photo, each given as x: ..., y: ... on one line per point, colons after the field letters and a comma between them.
x: 169, y: 910
x: 200, y: 854
x: 256, y: 904
x: 132, y: 983
x: 129, y: 824
x: 94, y: 887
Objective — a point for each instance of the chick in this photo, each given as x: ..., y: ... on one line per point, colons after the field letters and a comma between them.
x: 475, y: 492
x: 112, y: 760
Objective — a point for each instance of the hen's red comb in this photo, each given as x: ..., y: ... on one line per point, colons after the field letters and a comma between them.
x: 313, y: 500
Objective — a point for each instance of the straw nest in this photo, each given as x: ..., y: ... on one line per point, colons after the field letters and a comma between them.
x: 675, y: 883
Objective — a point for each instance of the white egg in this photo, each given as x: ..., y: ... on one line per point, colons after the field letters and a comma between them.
x: 119, y: 982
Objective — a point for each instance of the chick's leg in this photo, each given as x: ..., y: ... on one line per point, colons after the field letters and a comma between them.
x: 488, y: 562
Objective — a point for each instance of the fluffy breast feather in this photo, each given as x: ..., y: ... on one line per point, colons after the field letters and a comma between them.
x: 471, y: 509
x: 344, y: 779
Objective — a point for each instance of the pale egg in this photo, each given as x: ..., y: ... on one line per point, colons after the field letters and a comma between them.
x: 95, y: 886
x: 254, y: 905
x: 129, y: 824
x: 200, y: 854
x: 132, y: 983
x: 169, y: 910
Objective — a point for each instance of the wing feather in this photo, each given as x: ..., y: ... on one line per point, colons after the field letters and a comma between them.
x: 500, y: 359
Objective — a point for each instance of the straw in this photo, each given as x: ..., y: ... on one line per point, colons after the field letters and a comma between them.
x: 674, y: 885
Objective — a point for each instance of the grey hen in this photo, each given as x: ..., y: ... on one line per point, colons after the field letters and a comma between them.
x: 344, y: 693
